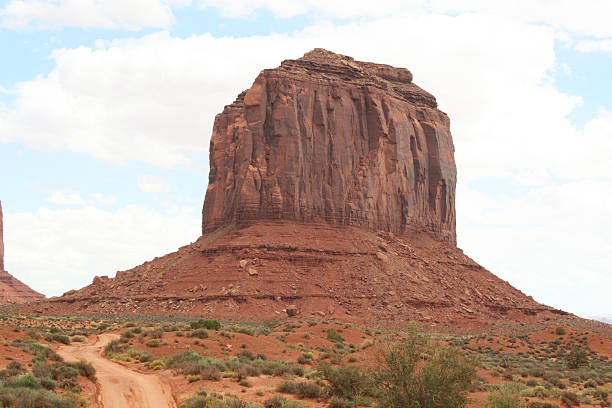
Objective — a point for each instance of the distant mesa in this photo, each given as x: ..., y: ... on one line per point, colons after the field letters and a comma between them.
x: 12, y: 290
x: 331, y: 195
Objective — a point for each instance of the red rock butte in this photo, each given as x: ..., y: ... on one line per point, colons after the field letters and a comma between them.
x: 331, y: 195
x: 12, y: 290
x: 327, y: 138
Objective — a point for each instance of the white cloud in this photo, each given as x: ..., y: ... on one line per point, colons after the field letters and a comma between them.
x: 152, y: 184
x: 594, y: 45
x: 57, y: 250
x: 337, y: 9
x: 151, y: 99
x: 104, y: 200
x: 65, y: 198
x: 554, y: 242
x: 107, y: 14
x: 590, y: 17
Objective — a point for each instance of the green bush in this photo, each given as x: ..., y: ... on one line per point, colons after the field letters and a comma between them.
x: 406, y: 379
x: 340, y: 402
x: 348, y: 382
x: 287, y: 387
x: 199, y: 333
x: 508, y: 395
x: 333, y: 335
x: 576, y: 358
x: 307, y: 390
x: 275, y: 401
x: 560, y: 331
x: 29, y: 398
x: 206, y: 324
x: 153, y: 343
x: 59, y: 338
x: 157, y: 365
x: 570, y: 399
x: 26, y: 381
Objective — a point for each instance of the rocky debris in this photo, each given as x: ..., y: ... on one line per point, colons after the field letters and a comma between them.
x: 252, y: 271
x: 98, y: 280
x: 291, y: 310
x: 327, y: 138
x: 382, y: 257
x: 12, y: 290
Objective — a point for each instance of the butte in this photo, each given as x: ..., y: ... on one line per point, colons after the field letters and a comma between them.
x: 331, y: 195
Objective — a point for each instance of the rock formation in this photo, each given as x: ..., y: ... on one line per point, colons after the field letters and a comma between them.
x: 12, y: 290
x: 328, y: 138
x: 331, y: 194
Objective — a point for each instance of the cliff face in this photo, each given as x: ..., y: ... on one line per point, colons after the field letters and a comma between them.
x: 12, y: 290
x: 327, y: 138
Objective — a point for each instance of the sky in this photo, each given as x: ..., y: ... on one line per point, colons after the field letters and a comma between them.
x: 106, y: 112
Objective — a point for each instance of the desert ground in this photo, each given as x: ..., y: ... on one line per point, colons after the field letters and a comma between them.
x: 157, y: 361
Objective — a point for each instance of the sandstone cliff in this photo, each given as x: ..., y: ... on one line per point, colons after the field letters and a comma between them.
x: 12, y: 290
x: 328, y: 138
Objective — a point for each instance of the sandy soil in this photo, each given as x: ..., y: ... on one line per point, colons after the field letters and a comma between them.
x: 119, y: 386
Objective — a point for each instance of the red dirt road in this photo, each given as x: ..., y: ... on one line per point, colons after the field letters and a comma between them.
x: 119, y: 386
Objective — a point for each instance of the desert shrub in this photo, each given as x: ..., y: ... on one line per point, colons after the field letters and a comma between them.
x: 560, y: 331
x: 287, y: 387
x: 153, y: 343
x: 307, y: 390
x: 406, y: 379
x: 206, y: 324
x: 198, y: 401
x: 538, y: 404
x: 246, y: 354
x: 13, y: 369
x: 191, y: 363
x: 348, y: 382
x: 157, y: 365
x: 333, y: 335
x: 340, y: 402
x: 78, y: 339
x: 507, y: 395
x: 275, y: 401
x: 201, y: 400
x: 48, y: 383
x: 210, y: 373
x: 293, y: 404
x: 199, y: 333
x: 26, y: 381
x: 29, y: 398
x: 142, y: 356
x: 157, y: 333
x: 115, y: 346
x: 58, y: 338
x: 570, y: 399
x: 84, y: 369
x: 576, y: 358
x: 305, y: 358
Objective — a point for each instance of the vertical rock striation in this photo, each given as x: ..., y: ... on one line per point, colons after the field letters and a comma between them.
x: 326, y: 138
